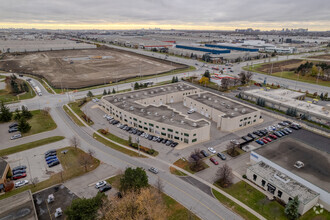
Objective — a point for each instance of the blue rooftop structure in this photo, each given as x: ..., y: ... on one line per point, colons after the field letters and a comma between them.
x: 203, y: 49
x: 232, y: 48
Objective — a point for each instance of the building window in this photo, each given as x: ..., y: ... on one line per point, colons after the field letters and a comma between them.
x: 140, y: 126
x: 254, y: 177
x: 145, y: 128
x: 175, y: 137
x: 248, y: 122
x: 245, y: 119
x: 145, y: 123
x: 254, y: 120
x: 194, y: 140
x: 185, y: 134
x: 194, y: 135
x: 290, y: 198
x: 163, y: 128
x: 177, y: 132
x: 134, y: 119
x: 263, y: 182
x: 279, y: 194
x: 157, y: 126
x: 170, y: 130
x: 186, y: 140
x: 255, y: 116
x: 163, y: 133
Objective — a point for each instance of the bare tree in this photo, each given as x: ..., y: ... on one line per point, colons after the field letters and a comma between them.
x: 34, y: 181
x: 248, y: 76
x: 236, y: 81
x: 196, y: 161
x: 231, y: 149
x: 75, y: 142
x: 159, y: 185
x: 225, y: 82
x: 91, y: 153
x: 225, y: 175
x: 85, y: 160
x: 242, y: 77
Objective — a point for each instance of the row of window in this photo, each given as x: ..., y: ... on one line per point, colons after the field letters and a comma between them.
x: 270, y: 187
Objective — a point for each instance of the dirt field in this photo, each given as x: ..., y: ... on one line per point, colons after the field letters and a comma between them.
x: 287, y: 65
x: 322, y: 57
x: 84, y: 68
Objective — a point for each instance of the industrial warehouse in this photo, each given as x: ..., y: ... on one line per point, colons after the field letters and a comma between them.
x: 283, y: 99
x: 290, y: 168
x: 148, y: 109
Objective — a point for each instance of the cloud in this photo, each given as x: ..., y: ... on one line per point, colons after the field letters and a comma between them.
x: 166, y: 12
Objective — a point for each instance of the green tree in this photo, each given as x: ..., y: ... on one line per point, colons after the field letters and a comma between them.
x: 314, y: 71
x: 207, y: 74
x: 325, y: 96
x: 26, y: 87
x: 109, y: 92
x: 85, y: 209
x: 176, y: 79
x: 136, y: 86
x: 113, y: 91
x: 5, y: 114
x: 104, y: 92
x: 129, y: 140
x: 173, y: 79
x: 291, y: 208
x: 26, y: 113
x: 321, y: 96
x: 17, y: 115
x: 133, y: 179
x: 23, y: 125
x: 90, y: 94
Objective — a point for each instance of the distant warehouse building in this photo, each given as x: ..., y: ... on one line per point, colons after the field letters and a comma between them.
x: 287, y: 100
x: 150, y: 110
x: 203, y: 49
x: 229, y: 47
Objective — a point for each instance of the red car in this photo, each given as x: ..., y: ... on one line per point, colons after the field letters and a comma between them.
x: 19, y: 176
x: 273, y: 136
x: 268, y: 139
x: 264, y: 140
x: 214, y: 161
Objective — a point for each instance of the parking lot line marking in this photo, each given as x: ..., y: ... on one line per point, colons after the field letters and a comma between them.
x: 49, y: 211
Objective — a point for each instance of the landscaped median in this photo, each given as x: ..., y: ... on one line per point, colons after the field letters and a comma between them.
x: 191, y: 167
x: 30, y: 145
x: 73, y: 117
x: 75, y: 162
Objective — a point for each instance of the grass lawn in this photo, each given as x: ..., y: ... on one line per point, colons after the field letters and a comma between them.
x: 40, y: 123
x: 255, y: 200
x: 75, y: 107
x: 233, y: 206
x: 115, y: 146
x: 73, y: 117
x: 177, y: 172
x: 311, y: 215
x: 71, y: 168
x: 184, y: 164
x: 5, y: 95
x: 289, y: 75
x: 175, y: 210
x: 30, y: 145
x: 122, y: 141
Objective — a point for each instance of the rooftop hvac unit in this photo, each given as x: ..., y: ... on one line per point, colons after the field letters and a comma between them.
x: 235, y: 109
x: 131, y: 108
x: 142, y: 110
x: 136, y: 95
x: 243, y: 110
x: 182, y: 122
x: 164, y: 117
x: 149, y: 113
x: 199, y: 95
x: 171, y: 119
x: 210, y: 99
x: 131, y: 96
x: 232, y: 114
x: 145, y: 93
x: 152, y: 92
x: 124, y: 97
x: 299, y: 164
x: 222, y: 103
x: 115, y: 100
x: 215, y: 101
x: 156, y: 113
x: 194, y: 124
x: 227, y: 106
x: 204, y: 96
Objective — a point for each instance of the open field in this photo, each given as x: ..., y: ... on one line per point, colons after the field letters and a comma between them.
x: 322, y: 57
x: 84, y: 68
x: 285, y: 69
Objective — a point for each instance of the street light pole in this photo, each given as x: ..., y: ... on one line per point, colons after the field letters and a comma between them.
x: 138, y: 143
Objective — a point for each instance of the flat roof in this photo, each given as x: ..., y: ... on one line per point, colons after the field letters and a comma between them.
x: 163, y: 113
x: 286, y: 152
x: 19, y: 206
x: 286, y: 184
x: 288, y: 98
x: 3, y: 165
x: 229, y: 107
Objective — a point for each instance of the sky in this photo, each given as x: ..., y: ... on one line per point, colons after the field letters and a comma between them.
x: 166, y: 14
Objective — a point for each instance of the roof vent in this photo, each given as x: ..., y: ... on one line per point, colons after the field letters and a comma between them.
x: 131, y: 96
x: 210, y: 99
x: 215, y: 101
x: 194, y: 124
x: 124, y: 97
x: 145, y: 93
x: 142, y: 110
x: 222, y: 103
x: 115, y: 100
x: 164, y: 117
x: 299, y: 164
x: 136, y: 95
x: 182, y: 122
x: 204, y: 96
x: 171, y: 119
x: 232, y: 114
x: 243, y: 110
x: 152, y: 92
x: 156, y: 113
x: 149, y: 113
x: 131, y: 108
x: 227, y: 106
x: 235, y: 109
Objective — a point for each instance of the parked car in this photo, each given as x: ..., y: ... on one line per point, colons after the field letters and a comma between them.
x: 191, y: 111
x: 13, y: 129
x: 22, y: 167
x: 211, y: 149
x: 50, y: 151
x: 51, y: 161
x: 264, y: 140
x: 204, y: 153
x: 294, y: 127
x: 222, y: 156
x: 21, y: 183
x: 19, y: 176
x: 153, y: 170
x: 164, y: 141
x: 278, y: 134
x: 288, y: 122
x: 174, y: 144
x: 51, y: 158
x: 16, y: 136
x: 100, y: 184
x: 268, y: 139
x: 214, y: 161
x: 169, y: 142
x: 258, y: 133
x: 18, y: 172
x: 150, y: 137
x: 251, y: 136
x: 285, y: 132
x: 105, y: 188
x: 15, y: 124
x: 264, y: 132
x: 288, y: 130
x: 50, y: 154
x: 54, y: 163
x: 272, y: 136
x: 234, y: 142
x: 260, y: 142
x: 159, y: 139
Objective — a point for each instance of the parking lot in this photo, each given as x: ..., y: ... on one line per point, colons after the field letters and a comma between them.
x: 4, y: 134
x: 34, y: 160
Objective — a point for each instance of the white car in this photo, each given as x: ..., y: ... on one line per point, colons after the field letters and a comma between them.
x: 21, y: 183
x: 191, y: 111
x: 105, y: 116
x: 211, y: 149
x: 119, y: 125
x: 100, y: 184
x: 15, y: 136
